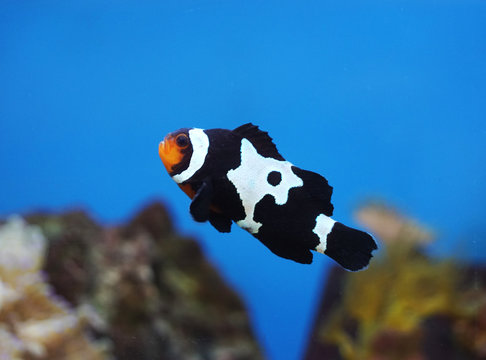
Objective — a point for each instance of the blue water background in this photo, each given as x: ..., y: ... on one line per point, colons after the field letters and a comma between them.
x: 384, y: 98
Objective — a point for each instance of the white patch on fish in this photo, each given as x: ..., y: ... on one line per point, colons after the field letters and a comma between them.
x: 250, y: 180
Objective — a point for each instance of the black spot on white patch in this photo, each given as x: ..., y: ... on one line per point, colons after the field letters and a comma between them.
x: 274, y: 178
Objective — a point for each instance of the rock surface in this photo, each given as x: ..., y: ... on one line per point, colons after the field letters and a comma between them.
x: 144, y: 289
x: 34, y: 322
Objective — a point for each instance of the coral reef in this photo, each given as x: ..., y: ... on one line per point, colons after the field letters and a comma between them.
x: 406, y: 305
x: 35, y: 323
x: 149, y: 291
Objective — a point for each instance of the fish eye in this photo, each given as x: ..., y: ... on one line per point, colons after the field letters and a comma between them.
x: 182, y: 140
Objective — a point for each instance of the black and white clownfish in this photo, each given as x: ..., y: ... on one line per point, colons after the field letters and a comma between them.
x: 239, y: 175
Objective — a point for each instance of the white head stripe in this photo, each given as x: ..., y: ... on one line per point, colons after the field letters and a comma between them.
x: 200, y: 146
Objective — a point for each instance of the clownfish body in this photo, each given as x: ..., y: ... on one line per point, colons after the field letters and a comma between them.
x: 239, y: 176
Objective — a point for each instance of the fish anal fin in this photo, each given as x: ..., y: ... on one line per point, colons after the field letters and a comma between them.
x: 285, y: 247
x: 262, y: 142
x: 300, y: 255
x: 201, y: 202
x: 316, y: 187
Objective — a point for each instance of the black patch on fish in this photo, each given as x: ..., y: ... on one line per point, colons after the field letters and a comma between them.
x: 223, y: 155
x: 317, y: 189
x: 351, y: 248
x: 274, y: 178
x: 260, y: 139
x: 287, y: 229
x: 184, y: 163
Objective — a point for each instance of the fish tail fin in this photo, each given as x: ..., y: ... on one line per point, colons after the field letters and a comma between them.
x: 350, y: 248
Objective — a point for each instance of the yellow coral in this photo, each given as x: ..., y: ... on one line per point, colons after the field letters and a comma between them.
x: 390, y: 226
x: 395, y: 295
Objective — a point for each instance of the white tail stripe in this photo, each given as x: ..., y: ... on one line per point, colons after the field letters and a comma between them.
x: 323, y: 228
x: 200, y: 146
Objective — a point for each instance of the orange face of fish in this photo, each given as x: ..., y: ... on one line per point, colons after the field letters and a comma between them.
x: 171, y: 150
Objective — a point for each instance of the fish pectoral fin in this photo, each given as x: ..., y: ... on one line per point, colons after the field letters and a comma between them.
x: 201, y: 202
x: 220, y: 222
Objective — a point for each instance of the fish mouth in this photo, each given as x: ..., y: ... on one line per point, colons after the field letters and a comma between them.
x: 162, y: 148
x: 165, y: 147
x: 164, y: 143
x: 169, y: 153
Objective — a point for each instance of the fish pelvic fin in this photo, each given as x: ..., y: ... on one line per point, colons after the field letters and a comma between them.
x: 201, y: 202
x: 220, y: 222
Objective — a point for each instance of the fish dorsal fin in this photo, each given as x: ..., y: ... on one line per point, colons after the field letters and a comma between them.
x: 260, y: 139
